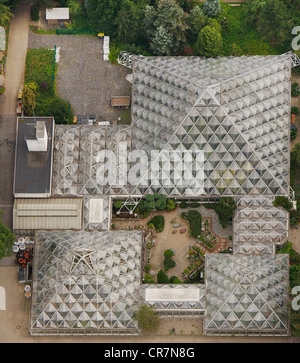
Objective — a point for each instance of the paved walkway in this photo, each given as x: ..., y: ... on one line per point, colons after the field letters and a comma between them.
x: 16, y: 55
x: 14, y: 79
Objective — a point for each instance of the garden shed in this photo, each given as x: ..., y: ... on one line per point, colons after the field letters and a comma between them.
x: 57, y: 15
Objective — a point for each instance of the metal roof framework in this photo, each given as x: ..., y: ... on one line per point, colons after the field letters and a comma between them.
x: 56, y: 213
x: 187, y: 299
x: 85, y: 283
x: 235, y: 110
x: 258, y: 227
x: 247, y: 294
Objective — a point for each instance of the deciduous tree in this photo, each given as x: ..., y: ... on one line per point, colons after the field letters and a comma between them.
x: 5, y: 12
x: 147, y: 318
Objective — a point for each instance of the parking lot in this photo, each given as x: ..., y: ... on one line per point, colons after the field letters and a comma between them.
x: 83, y: 78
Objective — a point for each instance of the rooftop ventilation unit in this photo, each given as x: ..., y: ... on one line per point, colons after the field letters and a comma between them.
x: 36, y: 136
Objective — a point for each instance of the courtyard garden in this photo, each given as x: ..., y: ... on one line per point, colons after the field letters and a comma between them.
x: 178, y: 235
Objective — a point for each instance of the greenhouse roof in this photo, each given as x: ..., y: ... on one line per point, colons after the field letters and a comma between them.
x: 85, y: 282
x: 57, y: 213
x: 235, y: 110
x: 259, y: 227
x: 76, y: 159
x: 218, y: 127
x: 178, y: 299
x: 97, y: 213
x: 247, y: 294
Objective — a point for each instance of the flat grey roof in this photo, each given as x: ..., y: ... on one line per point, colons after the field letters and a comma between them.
x: 33, y: 170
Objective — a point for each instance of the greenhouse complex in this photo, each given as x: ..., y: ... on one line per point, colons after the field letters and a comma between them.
x: 200, y: 129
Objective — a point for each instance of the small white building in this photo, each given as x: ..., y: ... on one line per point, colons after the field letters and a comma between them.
x: 57, y: 15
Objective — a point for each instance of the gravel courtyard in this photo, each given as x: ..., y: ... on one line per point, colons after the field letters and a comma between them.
x: 83, y: 78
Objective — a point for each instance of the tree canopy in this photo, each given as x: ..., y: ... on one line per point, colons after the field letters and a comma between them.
x: 5, y: 12
x: 165, y: 27
x: 209, y: 42
x: 147, y: 318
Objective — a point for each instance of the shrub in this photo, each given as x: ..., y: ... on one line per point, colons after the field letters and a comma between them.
x: 295, y: 110
x: 118, y: 204
x: 183, y: 205
x: 158, y: 222
x: 114, y: 52
x: 168, y: 263
x: 147, y: 268
x: 295, y: 90
x: 6, y: 239
x: 225, y: 210
x: 34, y: 13
x: 175, y: 280
x: 148, y: 279
x: 162, y: 278
x: 194, y: 218
x: 171, y: 205
x: 283, y: 202
x: 168, y: 253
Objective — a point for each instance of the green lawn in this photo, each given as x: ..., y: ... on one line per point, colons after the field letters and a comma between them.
x: 41, y: 70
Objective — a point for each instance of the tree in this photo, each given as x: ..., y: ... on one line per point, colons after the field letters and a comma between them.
x: 6, y: 239
x: 196, y: 20
x: 168, y: 253
x: 5, y: 13
x: 212, y: 8
x: 273, y: 18
x: 295, y: 154
x: 275, y: 21
x: 101, y: 15
x: 158, y: 222
x: 165, y: 27
x: 281, y: 201
x: 129, y: 21
x: 147, y: 318
x: 162, y: 277
x: 28, y: 98
x: 225, y: 210
x: 209, y: 42
x: 148, y: 279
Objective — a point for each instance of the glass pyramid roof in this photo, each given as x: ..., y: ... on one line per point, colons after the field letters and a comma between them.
x: 213, y: 127
x: 258, y: 226
x: 85, y: 282
x: 234, y: 110
x: 247, y: 294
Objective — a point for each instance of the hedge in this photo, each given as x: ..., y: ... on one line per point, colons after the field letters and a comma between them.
x: 158, y: 222
x: 194, y: 218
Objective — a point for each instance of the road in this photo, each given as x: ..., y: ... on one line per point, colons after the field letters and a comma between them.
x: 14, y: 79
